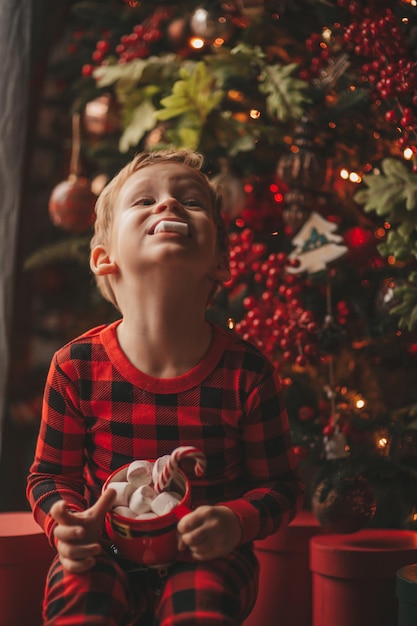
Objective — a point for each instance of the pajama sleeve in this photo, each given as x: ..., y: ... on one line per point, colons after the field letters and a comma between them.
x: 57, y: 469
x: 275, y: 493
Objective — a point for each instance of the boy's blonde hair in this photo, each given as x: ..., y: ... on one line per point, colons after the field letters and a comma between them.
x: 106, y: 202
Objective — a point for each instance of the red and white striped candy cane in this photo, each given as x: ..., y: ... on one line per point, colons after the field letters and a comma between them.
x: 168, y: 471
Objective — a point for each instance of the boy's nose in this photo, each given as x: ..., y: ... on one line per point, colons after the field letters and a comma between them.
x: 169, y: 203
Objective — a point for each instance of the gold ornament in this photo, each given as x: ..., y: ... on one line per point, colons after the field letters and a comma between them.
x: 101, y: 116
x: 211, y: 25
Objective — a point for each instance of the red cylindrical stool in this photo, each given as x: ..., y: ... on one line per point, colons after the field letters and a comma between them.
x: 407, y: 595
x: 284, y: 596
x: 25, y: 556
x: 354, y: 576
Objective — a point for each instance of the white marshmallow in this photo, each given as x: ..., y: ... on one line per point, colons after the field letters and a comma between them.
x: 123, y: 490
x: 141, y: 499
x: 165, y: 502
x: 171, y: 226
x: 140, y: 473
x: 149, y: 515
x: 124, y: 511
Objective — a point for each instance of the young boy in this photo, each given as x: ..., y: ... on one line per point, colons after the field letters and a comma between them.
x: 160, y: 377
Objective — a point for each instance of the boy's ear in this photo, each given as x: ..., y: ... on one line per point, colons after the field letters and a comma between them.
x: 100, y: 262
x: 221, y: 272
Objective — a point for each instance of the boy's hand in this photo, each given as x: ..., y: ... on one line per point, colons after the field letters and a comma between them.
x: 209, y: 532
x: 78, y: 533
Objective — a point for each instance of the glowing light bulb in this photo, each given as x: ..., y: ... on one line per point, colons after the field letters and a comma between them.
x: 344, y: 174
x: 326, y: 33
x: 408, y: 154
x: 354, y: 177
x: 360, y: 403
x: 382, y: 442
x: 197, y: 43
x: 235, y: 95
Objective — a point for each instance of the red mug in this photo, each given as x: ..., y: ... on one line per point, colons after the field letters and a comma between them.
x: 151, y: 542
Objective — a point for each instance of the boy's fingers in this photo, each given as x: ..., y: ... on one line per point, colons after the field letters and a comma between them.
x: 60, y: 513
x: 191, y: 521
x: 103, y: 504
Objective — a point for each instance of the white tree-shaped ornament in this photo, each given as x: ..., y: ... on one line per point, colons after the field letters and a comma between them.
x: 316, y: 245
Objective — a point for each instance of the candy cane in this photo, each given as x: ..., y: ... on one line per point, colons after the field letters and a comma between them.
x: 166, y: 474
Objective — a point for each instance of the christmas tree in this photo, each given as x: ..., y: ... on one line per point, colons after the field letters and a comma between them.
x: 306, y: 113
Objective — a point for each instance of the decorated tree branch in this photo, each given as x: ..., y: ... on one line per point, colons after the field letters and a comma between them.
x: 307, y: 115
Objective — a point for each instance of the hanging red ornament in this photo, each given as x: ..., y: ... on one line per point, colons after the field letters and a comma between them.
x: 71, y: 204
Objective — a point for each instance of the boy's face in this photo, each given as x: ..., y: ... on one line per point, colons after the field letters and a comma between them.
x: 164, y: 214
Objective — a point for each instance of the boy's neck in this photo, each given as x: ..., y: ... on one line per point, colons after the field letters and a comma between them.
x: 165, y: 337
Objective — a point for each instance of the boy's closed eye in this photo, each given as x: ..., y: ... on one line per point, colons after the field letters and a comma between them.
x: 145, y: 201
x: 194, y: 203
x: 190, y: 203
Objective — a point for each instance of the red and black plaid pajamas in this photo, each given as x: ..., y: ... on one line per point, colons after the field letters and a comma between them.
x: 100, y: 413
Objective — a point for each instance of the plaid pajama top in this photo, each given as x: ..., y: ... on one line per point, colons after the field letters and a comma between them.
x: 100, y: 412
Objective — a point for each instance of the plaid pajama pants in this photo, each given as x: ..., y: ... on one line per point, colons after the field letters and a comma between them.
x: 217, y: 592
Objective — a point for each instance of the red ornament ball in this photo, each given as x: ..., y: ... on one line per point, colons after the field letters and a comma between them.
x: 362, y: 245
x: 306, y: 413
x: 301, y: 453
x: 345, y: 507
x: 71, y: 205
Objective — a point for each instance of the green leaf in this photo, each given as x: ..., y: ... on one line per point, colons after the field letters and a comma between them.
x: 234, y: 66
x: 286, y: 96
x: 249, y: 53
x: 142, y: 121
x: 392, y: 194
x: 196, y: 92
x: 129, y: 73
x: 189, y: 137
x: 75, y: 249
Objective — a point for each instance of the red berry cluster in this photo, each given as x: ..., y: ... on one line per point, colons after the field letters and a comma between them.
x: 245, y: 256
x: 135, y: 45
x: 274, y: 319
x: 380, y: 38
x: 376, y: 36
x: 321, y: 53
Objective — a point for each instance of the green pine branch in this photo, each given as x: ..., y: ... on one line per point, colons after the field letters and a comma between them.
x: 74, y: 249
